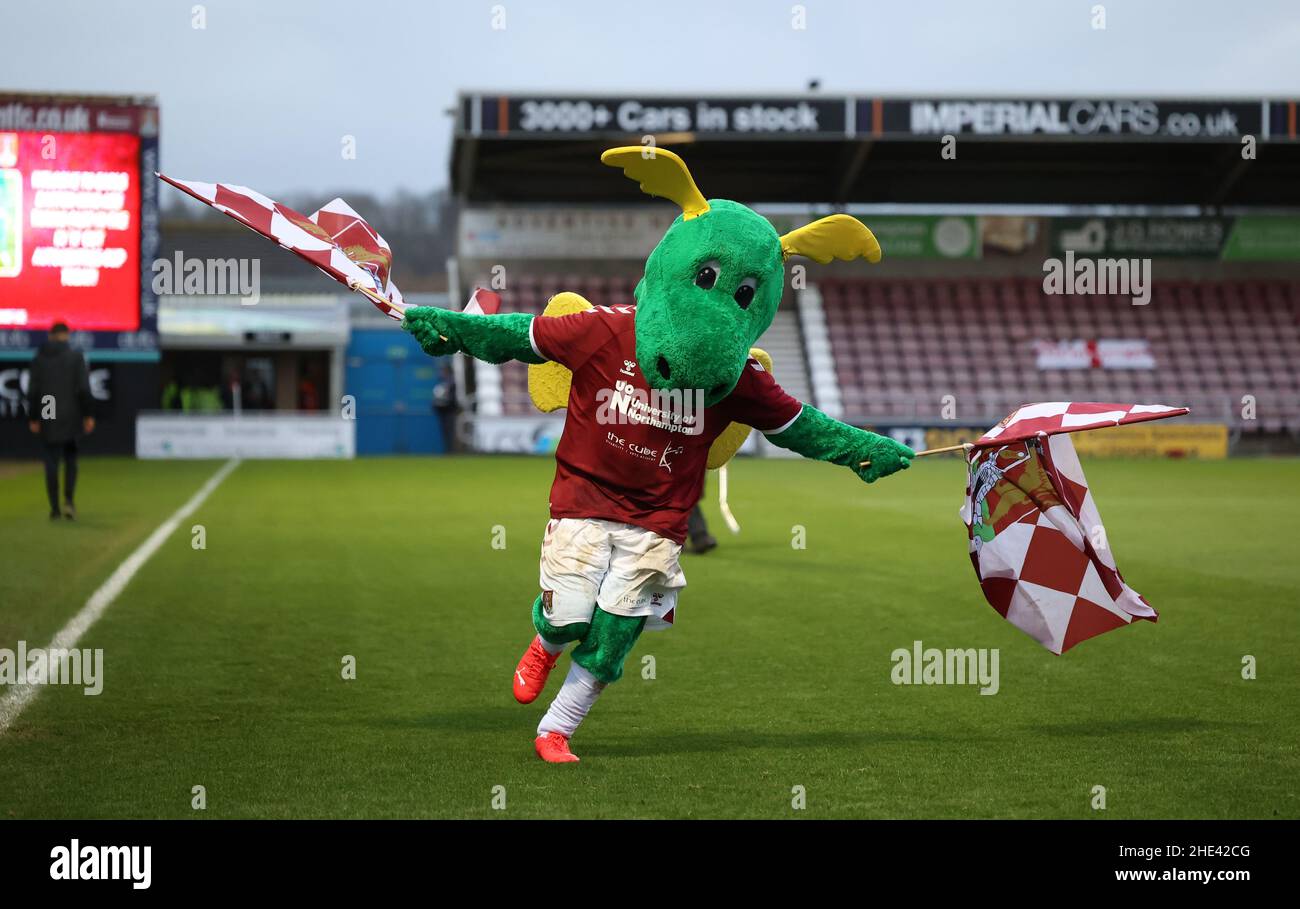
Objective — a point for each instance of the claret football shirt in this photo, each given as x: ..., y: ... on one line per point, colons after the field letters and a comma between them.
x: 628, y: 453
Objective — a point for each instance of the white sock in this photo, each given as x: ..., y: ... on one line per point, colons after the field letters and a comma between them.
x: 552, y: 649
x: 578, y: 693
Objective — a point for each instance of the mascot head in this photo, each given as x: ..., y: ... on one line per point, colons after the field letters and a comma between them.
x: 712, y: 285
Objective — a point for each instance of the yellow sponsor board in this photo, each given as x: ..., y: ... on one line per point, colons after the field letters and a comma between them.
x: 943, y: 438
x: 1155, y: 439
x: 1135, y: 440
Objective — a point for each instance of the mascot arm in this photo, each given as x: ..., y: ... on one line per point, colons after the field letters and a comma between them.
x: 494, y: 339
x: 817, y: 436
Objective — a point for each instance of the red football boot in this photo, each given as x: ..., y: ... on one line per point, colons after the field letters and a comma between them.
x: 534, y: 668
x: 553, y: 748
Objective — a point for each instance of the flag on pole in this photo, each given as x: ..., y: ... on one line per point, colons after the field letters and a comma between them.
x: 483, y: 302
x: 1031, y: 420
x: 334, y: 238
x: 1037, y: 541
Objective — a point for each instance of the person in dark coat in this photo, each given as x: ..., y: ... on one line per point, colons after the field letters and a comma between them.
x: 444, y: 405
x: 58, y: 405
x: 697, y: 529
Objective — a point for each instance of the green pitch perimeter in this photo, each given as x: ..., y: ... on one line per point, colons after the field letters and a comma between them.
x: 222, y: 665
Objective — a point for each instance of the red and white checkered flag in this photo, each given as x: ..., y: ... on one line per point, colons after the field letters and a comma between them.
x: 1037, y: 542
x: 1030, y: 420
x: 335, y: 238
x: 483, y: 302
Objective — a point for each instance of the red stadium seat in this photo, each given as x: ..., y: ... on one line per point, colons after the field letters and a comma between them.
x: 1212, y: 342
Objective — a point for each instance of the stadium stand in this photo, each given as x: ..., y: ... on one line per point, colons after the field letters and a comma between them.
x: 888, y: 351
x: 899, y: 346
x: 884, y: 346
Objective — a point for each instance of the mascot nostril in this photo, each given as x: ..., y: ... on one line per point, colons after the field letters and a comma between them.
x: 623, y: 493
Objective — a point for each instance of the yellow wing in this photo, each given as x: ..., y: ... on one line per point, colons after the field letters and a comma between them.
x: 725, y: 446
x: 833, y: 237
x: 660, y: 173
x: 548, y: 383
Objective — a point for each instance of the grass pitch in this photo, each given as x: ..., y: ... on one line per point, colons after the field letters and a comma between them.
x: 223, y: 664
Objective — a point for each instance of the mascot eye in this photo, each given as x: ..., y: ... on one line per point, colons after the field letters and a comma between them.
x: 745, y: 293
x: 707, y: 276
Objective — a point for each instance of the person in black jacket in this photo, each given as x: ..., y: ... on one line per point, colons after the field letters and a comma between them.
x: 58, y: 403
x: 697, y: 528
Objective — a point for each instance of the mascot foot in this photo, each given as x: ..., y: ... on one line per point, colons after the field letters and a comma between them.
x: 554, y: 749
x: 532, y: 672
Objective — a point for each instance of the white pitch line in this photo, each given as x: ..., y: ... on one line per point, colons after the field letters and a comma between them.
x: 20, y: 696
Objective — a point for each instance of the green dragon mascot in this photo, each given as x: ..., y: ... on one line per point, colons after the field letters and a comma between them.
x: 651, y: 387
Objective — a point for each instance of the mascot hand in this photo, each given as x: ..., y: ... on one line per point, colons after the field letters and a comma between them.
x: 886, y: 457
x: 493, y: 339
x: 815, y: 435
x: 429, y: 326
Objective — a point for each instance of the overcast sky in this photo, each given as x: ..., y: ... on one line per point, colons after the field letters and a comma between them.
x: 264, y: 94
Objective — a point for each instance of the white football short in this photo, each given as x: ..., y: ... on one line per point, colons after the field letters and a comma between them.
x: 626, y: 570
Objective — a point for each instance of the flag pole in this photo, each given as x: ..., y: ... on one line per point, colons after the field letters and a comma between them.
x: 376, y: 298
x: 964, y: 446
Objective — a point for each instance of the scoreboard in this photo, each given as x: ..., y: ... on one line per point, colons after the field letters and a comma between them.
x: 78, y: 223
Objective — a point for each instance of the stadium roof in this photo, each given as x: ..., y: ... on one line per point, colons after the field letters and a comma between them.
x: 864, y: 150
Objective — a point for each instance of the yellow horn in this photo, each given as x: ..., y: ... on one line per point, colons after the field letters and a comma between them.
x: 660, y: 173
x: 834, y: 237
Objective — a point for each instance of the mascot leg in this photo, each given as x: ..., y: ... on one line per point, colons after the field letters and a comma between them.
x: 607, y: 645
x: 556, y: 636
x: 597, y: 662
x: 574, y: 560
x: 539, y: 659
